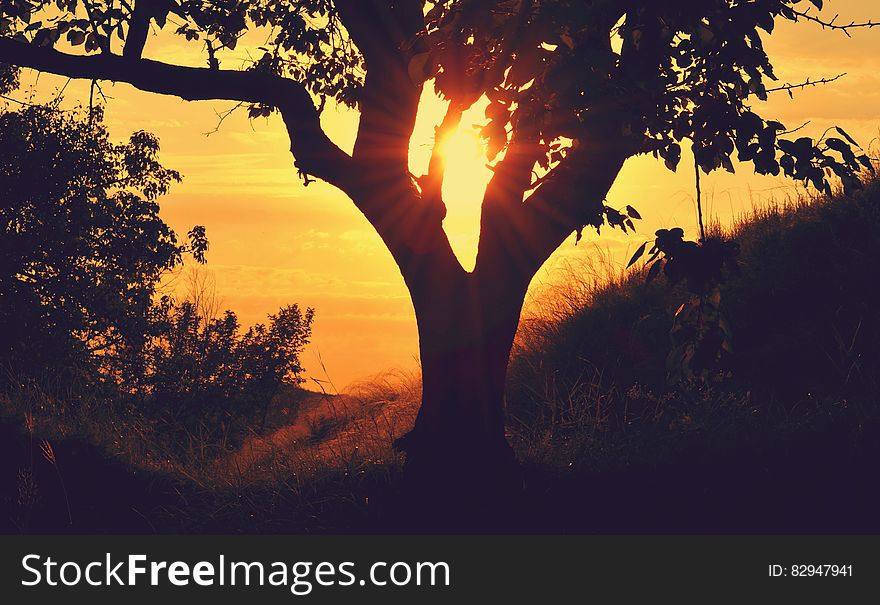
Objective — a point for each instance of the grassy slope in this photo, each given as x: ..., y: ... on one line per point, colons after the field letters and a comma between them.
x: 788, y: 443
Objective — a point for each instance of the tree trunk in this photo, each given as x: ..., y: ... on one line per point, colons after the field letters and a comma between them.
x: 457, y: 452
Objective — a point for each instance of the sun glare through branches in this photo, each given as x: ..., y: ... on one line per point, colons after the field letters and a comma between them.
x: 467, y: 171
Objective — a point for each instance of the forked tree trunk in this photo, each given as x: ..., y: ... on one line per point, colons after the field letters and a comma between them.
x: 458, y: 448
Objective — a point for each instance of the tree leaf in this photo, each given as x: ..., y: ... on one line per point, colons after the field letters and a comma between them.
x: 76, y: 37
x: 653, y: 271
x: 638, y: 254
x: 844, y: 134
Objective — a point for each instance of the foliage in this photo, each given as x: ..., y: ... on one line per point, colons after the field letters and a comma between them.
x: 9, y: 75
x: 198, y: 369
x: 307, y: 42
x: 642, y: 77
x: 664, y: 72
x: 701, y: 337
x: 83, y: 251
x: 83, y: 246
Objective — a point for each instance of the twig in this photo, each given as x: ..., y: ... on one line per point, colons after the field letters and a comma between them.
x: 791, y: 87
x: 699, y: 201
x: 794, y: 130
x: 223, y: 115
x: 22, y: 103
x: 59, y: 97
x: 832, y: 25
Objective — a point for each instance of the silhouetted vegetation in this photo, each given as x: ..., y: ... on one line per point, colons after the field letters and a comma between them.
x: 575, y: 89
x: 87, y: 340
x: 82, y: 244
x: 781, y: 438
x: 201, y: 374
x: 677, y: 392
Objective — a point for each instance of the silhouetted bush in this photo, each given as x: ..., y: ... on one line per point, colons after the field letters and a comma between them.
x: 197, y: 373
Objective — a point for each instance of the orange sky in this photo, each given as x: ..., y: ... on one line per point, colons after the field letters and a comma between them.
x: 275, y: 242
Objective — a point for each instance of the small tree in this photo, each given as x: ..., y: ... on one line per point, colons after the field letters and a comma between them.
x: 576, y: 88
x: 197, y: 369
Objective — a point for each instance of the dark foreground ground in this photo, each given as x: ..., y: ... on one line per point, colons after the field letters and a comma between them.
x: 818, y: 483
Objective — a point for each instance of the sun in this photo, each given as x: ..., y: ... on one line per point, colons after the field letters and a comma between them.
x: 463, y: 145
x: 467, y: 175
x: 466, y: 169
x: 465, y: 180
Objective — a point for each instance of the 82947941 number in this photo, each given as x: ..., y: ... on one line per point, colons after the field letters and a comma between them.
x: 810, y: 570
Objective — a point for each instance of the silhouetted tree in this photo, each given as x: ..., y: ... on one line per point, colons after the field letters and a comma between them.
x: 82, y: 246
x: 82, y: 251
x: 576, y: 88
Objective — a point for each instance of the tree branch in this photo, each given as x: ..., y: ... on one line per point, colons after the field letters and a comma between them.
x: 314, y: 152
x: 377, y: 180
x: 572, y: 199
x: 520, y: 237
x: 387, y: 37
x: 431, y: 184
x: 502, y: 202
x: 832, y: 25
x: 790, y: 87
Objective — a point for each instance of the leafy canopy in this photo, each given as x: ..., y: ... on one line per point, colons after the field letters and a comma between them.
x: 666, y: 71
x: 624, y: 76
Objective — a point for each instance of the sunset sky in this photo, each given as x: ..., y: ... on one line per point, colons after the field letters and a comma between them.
x: 275, y: 242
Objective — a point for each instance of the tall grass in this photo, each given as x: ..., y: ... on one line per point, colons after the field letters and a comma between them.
x: 588, y: 383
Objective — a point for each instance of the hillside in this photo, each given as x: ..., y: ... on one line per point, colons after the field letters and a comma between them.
x: 786, y: 439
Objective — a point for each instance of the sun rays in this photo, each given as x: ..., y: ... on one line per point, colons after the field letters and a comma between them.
x: 466, y: 174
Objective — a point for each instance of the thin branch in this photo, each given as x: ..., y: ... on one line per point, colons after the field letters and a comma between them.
x: 832, y: 25
x: 790, y: 87
x: 95, y: 85
x: 794, y: 130
x: 60, y: 96
x: 90, y: 13
x: 22, y: 103
x: 432, y: 183
x: 222, y: 115
x: 699, y: 201
x: 91, y: 101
